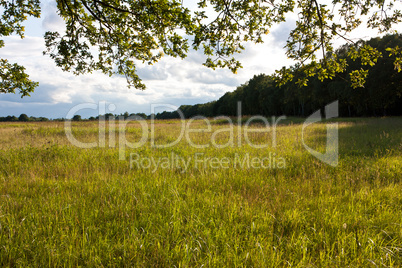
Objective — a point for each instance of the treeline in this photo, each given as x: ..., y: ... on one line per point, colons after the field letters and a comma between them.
x: 23, y: 118
x: 380, y: 96
x: 109, y: 116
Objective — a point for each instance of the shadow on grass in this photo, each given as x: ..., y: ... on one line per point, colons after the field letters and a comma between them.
x: 371, y: 137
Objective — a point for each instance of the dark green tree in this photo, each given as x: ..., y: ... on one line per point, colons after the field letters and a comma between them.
x: 77, y: 117
x: 23, y: 118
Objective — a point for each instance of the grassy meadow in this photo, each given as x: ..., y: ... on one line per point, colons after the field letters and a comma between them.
x: 223, y: 204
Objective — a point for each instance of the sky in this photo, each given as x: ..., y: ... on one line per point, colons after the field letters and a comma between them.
x: 170, y: 81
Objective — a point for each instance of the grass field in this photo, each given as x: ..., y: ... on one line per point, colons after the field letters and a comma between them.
x: 61, y: 205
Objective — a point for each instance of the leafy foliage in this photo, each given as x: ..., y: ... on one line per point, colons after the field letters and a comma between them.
x: 13, y: 76
x: 115, y: 36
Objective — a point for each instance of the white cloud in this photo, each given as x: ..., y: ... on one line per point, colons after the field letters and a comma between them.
x: 51, y: 20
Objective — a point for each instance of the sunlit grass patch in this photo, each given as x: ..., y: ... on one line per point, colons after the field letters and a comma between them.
x: 61, y: 205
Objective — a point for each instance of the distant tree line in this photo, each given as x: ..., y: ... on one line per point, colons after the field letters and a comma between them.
x: 108, y: 116
x: 23, y: 118
x: 381, y: 95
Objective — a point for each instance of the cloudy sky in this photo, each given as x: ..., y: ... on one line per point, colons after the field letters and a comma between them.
x: 171, y: 81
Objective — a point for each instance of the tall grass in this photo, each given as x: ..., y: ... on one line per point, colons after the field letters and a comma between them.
x: 65, y: 206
